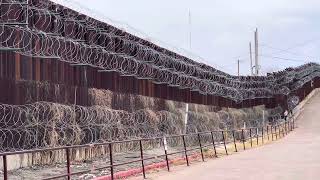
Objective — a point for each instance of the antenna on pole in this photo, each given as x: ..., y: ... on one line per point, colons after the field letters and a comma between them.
x: 256, y: 52
x: 190, y: 35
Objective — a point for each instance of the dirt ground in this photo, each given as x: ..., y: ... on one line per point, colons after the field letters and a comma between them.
x: 40, y: 172
x: 295, y: 157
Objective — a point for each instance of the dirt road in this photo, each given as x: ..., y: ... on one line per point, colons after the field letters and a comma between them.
x: 295, y: 157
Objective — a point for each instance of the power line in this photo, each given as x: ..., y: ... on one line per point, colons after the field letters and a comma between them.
x: 295, y: 46
x: 283, y: 50
x: 303, y: 43
x: 282, y: 58
x: 278, y: 49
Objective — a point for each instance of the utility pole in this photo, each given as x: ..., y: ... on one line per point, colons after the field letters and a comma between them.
x: 251, y: 67
x: 256, y: 52
x: 238, y: 67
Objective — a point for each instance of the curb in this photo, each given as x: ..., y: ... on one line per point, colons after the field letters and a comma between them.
x: 132, y: 172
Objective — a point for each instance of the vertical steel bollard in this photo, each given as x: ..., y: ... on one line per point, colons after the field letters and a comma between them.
x: 185, y: 150
x: 257, y: 134
x: 243, y: 140
x: 111, y: 161
x: 200, y: 145
x: 166, y: 151
x: 234, y: 141
x: 68, y: 163
x: 251, y: 136
x: 5, y: 168
x: 224, y: 142
x: 142, y: 161
x: 214, y: 145
x: 275, y: 130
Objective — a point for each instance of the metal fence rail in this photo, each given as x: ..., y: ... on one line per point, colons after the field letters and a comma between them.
x: 277, y: 131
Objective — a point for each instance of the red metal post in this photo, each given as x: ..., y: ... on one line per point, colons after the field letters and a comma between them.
x: 234, y: 141
x: 224, y: 142
x: 166, y: 152
x: 200, y: 145
x: 243, y: 139
x: 279, y: 131
x: 214, y: 145
x: 257, y: 135
x: 250, y: 136
x: 268, y: 133
x: 111, y: 161
x: 142, y: 161
x: 68, y: 163
x: 185, y: 150
x: 5, y: 169
x: 293, y: 123
x: 262, y: 134
x: 272, y: 134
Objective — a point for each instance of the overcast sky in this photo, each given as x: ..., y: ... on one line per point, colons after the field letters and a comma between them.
x: 221, y: 30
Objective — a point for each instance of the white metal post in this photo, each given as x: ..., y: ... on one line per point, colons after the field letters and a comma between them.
x: 186, y: 118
